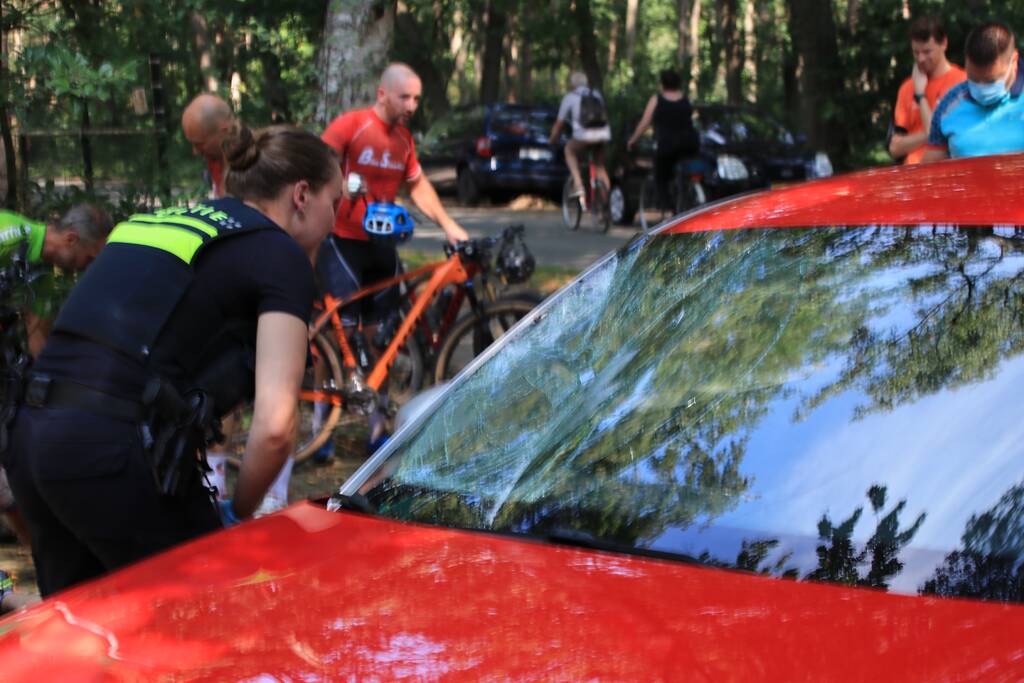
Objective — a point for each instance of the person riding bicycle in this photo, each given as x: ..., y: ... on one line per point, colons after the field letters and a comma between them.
x: 375, y: 144
x: 29, y: 250
x: 675, y: 137
x: 584, y: 109
x: 185, y: 313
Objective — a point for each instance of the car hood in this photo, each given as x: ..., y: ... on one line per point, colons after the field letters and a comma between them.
x: 311, y: 595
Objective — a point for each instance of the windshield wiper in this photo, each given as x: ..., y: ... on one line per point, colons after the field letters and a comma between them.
x: 578, y: 538
x: 355, y: 502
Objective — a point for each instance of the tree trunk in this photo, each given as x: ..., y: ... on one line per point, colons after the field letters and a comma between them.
x: 494, y: 33
x: 417, y: 53
x: 852, y: 12
x: 683, y: 9
x: 354, y: 52
x: 732, y: 48
x: 613, y: 40
x: 525, y: 56
x: 277, y: 93
x: 632, y: 9
x: 750, y: 64
x: 694, y: 46
x: 716, y: 65
x: 204, y: 52
x: 6, y: 133
x: 813, y: 31
x: 588, y: 44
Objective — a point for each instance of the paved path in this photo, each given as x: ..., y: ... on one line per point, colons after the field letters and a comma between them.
x: 549, y: 240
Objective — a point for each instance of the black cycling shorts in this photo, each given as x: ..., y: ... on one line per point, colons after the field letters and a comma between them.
x: 344, y: 266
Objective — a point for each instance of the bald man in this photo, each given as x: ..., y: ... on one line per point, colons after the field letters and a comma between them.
x: 206, y: 121
x: 376, y: 144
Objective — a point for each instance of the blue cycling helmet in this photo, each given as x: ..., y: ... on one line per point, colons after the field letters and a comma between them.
x: 388, y: 222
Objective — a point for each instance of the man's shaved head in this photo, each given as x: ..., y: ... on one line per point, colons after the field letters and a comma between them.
x: 395, y: 74
x: 206, y: 120
x: 398, y: 95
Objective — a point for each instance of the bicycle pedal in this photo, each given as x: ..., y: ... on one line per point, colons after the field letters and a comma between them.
x: 359, y: 398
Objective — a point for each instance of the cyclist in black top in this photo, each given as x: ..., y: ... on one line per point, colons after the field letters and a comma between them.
x: 676, y: 138
x: 182, y: 315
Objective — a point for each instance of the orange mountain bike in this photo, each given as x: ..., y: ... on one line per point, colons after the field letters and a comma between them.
x: 342, y: 372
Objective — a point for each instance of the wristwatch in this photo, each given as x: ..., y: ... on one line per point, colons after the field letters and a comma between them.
x: 918, y: 96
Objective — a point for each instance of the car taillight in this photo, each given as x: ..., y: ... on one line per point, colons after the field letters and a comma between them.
x: 483, y: 147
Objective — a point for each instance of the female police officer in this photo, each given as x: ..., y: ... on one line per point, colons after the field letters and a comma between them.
x: 180, y: 309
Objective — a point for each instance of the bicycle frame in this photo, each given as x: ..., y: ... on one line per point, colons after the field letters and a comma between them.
x: 451, y: 271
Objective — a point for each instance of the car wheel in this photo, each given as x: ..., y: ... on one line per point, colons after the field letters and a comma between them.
x: 466, y: 188
x: 622, y: 209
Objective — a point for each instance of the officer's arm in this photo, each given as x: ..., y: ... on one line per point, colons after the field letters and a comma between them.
x: 280, y: 361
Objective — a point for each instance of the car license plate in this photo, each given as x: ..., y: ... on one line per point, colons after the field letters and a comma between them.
x: 535, y: 153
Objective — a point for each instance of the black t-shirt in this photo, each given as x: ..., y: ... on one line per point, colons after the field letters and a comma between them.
x: 673, y: 125
x: 236, y: 280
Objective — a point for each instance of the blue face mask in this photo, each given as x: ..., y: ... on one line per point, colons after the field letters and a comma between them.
x: 989, y: 94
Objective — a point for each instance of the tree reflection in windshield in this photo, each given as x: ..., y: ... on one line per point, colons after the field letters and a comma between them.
x: 702, y: 382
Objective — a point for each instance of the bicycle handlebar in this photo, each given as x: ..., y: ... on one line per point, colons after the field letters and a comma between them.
x: 480, y: 248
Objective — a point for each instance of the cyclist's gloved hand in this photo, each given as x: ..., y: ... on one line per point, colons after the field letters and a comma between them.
x: 355, y: 183
x: 228, y: 518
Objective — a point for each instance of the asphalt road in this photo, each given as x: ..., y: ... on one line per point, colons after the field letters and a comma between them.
x: 550, y: 241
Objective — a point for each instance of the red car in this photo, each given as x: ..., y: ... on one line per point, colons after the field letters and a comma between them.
x: 778, y: 440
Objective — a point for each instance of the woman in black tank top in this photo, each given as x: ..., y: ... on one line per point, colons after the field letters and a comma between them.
x: 676, y: 138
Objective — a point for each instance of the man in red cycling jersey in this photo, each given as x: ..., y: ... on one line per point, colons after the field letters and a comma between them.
x: 376, y: 144
x: 206, y: 122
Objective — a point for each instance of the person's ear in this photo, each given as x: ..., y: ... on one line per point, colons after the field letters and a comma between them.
x: 301, y: 195
x: 71, y: 237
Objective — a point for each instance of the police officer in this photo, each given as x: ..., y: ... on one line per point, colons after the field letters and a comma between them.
x: 181, y: 311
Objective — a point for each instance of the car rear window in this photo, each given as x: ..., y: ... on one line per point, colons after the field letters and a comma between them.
x: 734, y: 127
x: 835, y: 404
x: 522, y: 123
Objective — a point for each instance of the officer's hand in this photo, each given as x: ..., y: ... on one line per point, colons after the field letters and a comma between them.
x: 228, y: 518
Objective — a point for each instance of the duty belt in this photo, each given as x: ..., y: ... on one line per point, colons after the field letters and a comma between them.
x: 41, y: 391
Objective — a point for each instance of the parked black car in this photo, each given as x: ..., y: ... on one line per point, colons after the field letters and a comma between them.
x: 493, y: 150
x: 741, y: 149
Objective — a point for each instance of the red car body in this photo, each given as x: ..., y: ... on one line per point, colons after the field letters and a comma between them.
x: 308, y: 594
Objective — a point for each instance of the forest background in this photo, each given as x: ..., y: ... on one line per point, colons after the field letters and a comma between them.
x: 91, y: 91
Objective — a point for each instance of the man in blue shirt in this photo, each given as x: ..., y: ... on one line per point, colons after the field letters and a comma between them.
x: 984, y: 114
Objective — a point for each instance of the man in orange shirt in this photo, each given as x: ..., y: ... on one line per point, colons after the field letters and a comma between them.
x: 932, y: 76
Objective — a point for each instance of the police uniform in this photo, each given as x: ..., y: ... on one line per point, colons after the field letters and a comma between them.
x: 173, y: 298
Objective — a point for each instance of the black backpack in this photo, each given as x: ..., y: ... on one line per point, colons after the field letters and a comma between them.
x: 592, y: 112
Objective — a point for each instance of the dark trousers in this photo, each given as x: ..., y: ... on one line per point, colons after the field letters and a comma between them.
x: 87, y: 493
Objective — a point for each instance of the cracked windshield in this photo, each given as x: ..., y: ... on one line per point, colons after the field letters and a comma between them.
x: 835, y: 404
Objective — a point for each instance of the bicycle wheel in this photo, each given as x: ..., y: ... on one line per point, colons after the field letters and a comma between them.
x: 651, y: 209
x: 572, y: 210
x: 405, y: 376
x: 600, y: 212
x: 689, y: 194
x: 323, y: 375
x: 472, y: 333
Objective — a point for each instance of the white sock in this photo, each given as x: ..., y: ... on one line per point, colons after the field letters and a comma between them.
x: 279, y: 489
x: 320, y: 410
